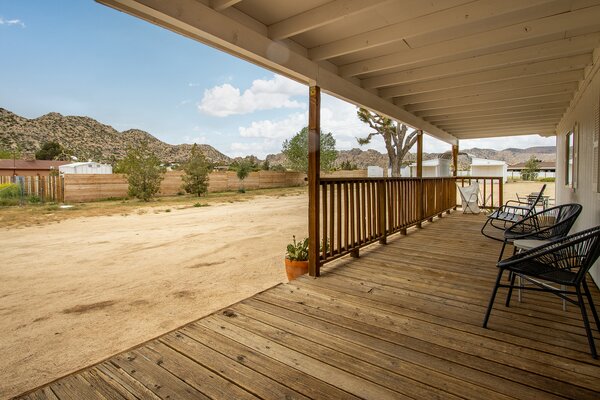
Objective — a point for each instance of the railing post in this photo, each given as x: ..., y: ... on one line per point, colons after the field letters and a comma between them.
x: 501, y: 192
x: 314, y: 132
x: 382, y: 210
x: 420, y: 208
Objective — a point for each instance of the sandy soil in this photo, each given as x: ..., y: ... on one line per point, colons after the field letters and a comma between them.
x: 522, y: 188
x: 74, y: 293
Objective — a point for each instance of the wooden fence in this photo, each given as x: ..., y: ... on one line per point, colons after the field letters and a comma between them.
x: 44, y: 188
x: 83, y: 187
x: 355, y: 212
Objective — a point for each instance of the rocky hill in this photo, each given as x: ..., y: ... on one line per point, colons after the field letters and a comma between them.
x: 87, y: 138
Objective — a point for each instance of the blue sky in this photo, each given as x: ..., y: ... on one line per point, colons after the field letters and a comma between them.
x: 78, y: 57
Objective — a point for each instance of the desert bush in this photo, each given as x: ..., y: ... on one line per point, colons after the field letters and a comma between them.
x: 33, y: 199
x: 10, y: 191
x: 547, y: 179
x: 196, y: 170
x: 143, y: 170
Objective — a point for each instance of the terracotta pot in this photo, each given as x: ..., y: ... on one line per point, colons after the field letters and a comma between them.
x: 294, y: 269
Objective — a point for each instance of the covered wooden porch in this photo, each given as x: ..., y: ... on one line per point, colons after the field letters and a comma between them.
x: 401, y: 321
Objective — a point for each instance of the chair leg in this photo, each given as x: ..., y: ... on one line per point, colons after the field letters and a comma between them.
x: 491, y: 304
x: 586, y: 322
x: 502, y: 251
x: 591, y: 303
x: 510, y: 289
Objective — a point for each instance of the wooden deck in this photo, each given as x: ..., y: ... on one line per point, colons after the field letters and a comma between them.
x: 403, y: 321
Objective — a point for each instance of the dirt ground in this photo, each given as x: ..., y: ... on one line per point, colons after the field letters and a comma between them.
x: 75, y: 292
x: 79, y: 285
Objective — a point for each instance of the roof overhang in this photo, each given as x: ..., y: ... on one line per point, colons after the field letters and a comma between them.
x: 457, y: 69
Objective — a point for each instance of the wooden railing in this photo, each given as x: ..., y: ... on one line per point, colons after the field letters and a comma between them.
x: 355, y: 212
x: 490, y: 188
x: 358, y: 211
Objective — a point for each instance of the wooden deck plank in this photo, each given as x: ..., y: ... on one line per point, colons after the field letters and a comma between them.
x: 234, y: 371
x: 351, y: 320
x: 279, y: 372
x: 402, y: 321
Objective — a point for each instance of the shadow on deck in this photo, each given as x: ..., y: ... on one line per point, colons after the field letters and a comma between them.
x: 403, y: 321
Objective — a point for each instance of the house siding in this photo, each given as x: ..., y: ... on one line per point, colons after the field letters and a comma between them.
x: 583, y: 112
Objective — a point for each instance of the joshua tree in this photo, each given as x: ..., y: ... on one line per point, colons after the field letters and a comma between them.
x: 397, y: 142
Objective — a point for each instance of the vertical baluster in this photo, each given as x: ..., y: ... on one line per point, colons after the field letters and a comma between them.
x: 363, y: 204
x: 324, y: 222
x: 352, y: 214
x: 346, y: 217
x: 339, y: 218
x: 331, y: 242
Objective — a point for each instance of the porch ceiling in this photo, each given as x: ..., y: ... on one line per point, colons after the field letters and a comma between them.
x: 457, y: 69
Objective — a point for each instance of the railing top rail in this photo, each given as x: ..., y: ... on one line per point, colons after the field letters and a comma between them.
x: 355, y: 179
x: 477, y: 177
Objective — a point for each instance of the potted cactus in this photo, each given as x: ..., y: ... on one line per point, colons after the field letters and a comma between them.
x: 296, y: 258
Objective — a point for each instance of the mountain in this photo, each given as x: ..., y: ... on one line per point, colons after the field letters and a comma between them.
x: 364, y: 158
x: 87, y: 138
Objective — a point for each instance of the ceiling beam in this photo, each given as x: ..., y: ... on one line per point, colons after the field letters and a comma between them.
x: 200, y: 22
x: 501, y: 74
x: 506, y: 123
x: 508, y: 128
x: 499, y: 114
x: 220, y: 5
x: 443, y: 19
x: 319, y: 16
x: 513, y: 34
x: 499, y: 106
x: 558, y: 89
x: 545, y: 51
x: 489, y: 88
x: 491, y: 120
x: 500, y: 133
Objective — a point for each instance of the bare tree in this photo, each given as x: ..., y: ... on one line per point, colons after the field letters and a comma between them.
x: 397, y: 142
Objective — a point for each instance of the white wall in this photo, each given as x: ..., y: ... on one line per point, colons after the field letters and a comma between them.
x: 583, y: 111
x: 490, y: 170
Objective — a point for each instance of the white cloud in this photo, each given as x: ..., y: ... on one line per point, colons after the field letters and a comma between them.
x: 12, y: 22
x: 226, y: 100
x: 270, y: 129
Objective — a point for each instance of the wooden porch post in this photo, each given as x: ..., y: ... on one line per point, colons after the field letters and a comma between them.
x: 455, y: 159
x: 314, y: 167
x: 455, y: 165
x: 420, y: 207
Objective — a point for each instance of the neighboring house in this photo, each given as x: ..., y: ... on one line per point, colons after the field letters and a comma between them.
x: 547, y: 169
x: 438, y: 167
x: 485, y: 167
x: 29, y: 167
x: 89, y: 167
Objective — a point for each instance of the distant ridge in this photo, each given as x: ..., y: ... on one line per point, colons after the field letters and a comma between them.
x: 364, y: 158
x: 87, y: 138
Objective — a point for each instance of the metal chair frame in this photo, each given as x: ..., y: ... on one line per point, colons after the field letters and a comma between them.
x: 565, y: 261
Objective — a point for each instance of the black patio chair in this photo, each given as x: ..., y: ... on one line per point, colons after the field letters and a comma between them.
x: 547, y: 225
x: 565, y: 262
x: 511, y: 212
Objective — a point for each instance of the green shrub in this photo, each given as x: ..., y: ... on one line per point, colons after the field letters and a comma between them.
x: 547, y: 179
x: 10, y: 191
x: 33, y: 199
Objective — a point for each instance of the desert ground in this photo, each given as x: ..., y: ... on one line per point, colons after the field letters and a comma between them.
x: 75, y: 292
x: 78, y: 286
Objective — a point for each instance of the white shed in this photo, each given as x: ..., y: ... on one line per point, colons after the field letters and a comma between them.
x: 485, y: 167
x: 436, y: 168
x: 89, y: 167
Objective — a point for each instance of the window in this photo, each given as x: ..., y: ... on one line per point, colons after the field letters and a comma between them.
x: 570, y: 141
